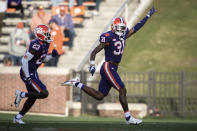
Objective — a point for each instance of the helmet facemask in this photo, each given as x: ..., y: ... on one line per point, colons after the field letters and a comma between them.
x: 120, y: 29
x: 47, y: 37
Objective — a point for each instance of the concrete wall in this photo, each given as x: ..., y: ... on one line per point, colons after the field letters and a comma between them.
x: 138, y: 110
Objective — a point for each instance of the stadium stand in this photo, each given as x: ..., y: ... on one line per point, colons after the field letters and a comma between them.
x: 92, y: 29
x: 87, y: 26
x: 13, y: 16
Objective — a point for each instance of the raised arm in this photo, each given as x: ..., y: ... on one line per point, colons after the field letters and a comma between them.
x: 141, y: 23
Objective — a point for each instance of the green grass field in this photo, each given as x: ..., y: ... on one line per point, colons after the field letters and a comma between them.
x: 167, y: 42
x: 86, y: 123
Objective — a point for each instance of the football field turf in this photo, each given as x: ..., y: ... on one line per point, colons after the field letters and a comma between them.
x: 37, y: 123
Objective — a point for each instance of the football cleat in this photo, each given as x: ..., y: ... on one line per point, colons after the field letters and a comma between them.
x: 19, y: 121
x: 71, y: 82
x: 133, y: 121
x: 18, y: 98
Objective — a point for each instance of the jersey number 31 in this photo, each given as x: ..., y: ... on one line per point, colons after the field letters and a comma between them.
x: 120, y: 47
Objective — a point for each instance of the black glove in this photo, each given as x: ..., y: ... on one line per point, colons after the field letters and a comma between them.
x: 54, y: 53
x: 151, y: 11
x: 28, y: 81
x: 92, y: 69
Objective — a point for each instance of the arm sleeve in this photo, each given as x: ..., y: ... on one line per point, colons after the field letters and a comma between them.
x: 140, y: 24
x: 25, y: 63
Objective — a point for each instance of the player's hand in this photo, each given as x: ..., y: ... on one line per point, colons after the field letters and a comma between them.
x: 54, y: 53
x: 92, y: 69
x: 151, y: 11
x: 28, y: 81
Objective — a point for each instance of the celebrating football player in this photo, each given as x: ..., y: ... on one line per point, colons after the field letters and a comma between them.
x: 113, y: 42
x: 35, y: 55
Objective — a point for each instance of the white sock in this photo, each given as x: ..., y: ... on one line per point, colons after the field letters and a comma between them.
x: 127, y: 114
x: 22, y: 94
x: 19, y: 116
x: 80, y: 85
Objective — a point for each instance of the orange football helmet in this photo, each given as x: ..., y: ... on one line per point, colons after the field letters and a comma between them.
x: 119, y: 26
x: 43, y: 33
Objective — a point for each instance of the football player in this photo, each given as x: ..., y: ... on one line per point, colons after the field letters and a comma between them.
x: 113, y: 43
x: 35, y: 55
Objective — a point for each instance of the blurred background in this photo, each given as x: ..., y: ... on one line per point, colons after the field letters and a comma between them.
x: 159, y: 65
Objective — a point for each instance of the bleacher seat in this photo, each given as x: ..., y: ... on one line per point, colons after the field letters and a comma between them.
x: 11, y: 10
x: 13, y: 17
x: 77, y: 12
x: 89, y: 3
x: 56, y: 10
x: 85, y: 3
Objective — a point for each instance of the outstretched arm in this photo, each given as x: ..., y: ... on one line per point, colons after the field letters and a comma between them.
x: 141, y: 23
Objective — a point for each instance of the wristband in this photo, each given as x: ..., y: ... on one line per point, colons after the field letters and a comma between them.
x: 92, y: 62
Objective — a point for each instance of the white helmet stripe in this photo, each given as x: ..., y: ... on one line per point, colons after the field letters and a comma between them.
x: 121, y: 20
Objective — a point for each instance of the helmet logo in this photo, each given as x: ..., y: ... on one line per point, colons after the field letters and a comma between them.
x: 39, y: 30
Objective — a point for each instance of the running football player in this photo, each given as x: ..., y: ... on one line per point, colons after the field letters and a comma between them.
x: 35, y: 55
x: 113, y: 42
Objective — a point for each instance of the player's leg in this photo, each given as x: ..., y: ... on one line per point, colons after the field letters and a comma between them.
x: 27, y: 105
x: 90, y: 91
x: 94, y: 93
x: 104, y: 88
x: 123, y: 98
x: 31, y: 98
x: 32, y: 95
x: 114, y: 78
x: 35, y: 91
x: 36, y: 95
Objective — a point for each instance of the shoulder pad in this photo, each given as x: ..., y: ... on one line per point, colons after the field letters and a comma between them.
x: 105, y: 37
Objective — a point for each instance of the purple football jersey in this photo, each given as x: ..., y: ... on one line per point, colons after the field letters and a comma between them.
x: 114, y: 51
x: 41, y: 50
